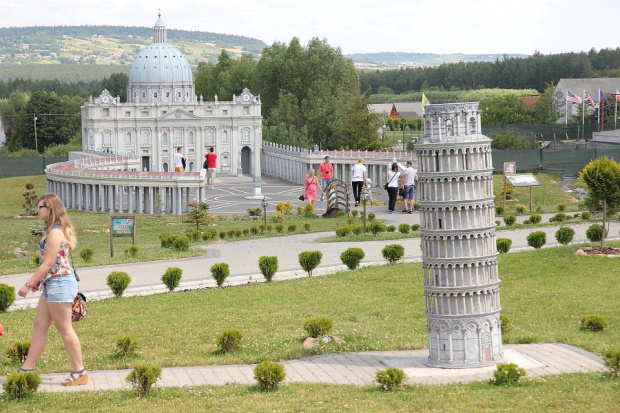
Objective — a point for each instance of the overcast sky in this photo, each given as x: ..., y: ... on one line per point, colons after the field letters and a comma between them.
x: 357, y: 26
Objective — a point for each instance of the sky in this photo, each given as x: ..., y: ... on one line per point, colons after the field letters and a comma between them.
x: 357, y: 26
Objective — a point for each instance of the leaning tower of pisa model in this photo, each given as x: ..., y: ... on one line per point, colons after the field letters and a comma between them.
x: 459, y: 254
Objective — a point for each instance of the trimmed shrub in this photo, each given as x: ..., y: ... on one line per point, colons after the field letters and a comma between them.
x: 612, y: 361
x: 497, y: 223
x: 594, y: 233
x: 118, y: 282
x: 143, y: 377
x: 507, y: 373
x: 350, y: 221
x: 278, y: 217
x: 194, y: 235
x: 284, y: 207
x: 180, y: 243
x: 594, y: 323
x: 504, y: 322
x: 307, y: 226
x: 503, y: 245
x: 527, y: 222
x: 354, y: 212
x: 172, y: 277
x: 564, y: 235
x: 255, y: 211
x: 222, y: 234
x: 510, y: 219
x: 561, y: 207
x: 209, y: 234
x: 351, y: 257
x: 499, y: 209
x: 343, y: 231
x: 292, y: 228
x: 87, y: 254
x: 126, y: 346
x: 269, y: 374
x: 390, y: 378
x: 36, y: 259
x: 536, y: 239
x: 560, y: 217
x: 393, y: 252
x: 21, y: 385
x: 520, y: 208
x: 309, y: 260
x: 231, y: 233
x: 371, y: 216
x: 535, y: 218
x: 219, y: 272
x: 228, y: 340
x: 358, y: 229
x: 268, y: 266
x: 318, y: 326
x: 18, y: 351
x: 279, y: 228
x: 415, y: 227
x: 238, y: 233
x: 254, y: 230
x: 376, y: 227
x: 390, y: 228
x: 404, y: 229
x: 133, y: 250
x: 585, y: 215
x: 7, y: 297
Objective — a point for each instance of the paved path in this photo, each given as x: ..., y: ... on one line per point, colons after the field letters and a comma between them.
x: 349, y: 368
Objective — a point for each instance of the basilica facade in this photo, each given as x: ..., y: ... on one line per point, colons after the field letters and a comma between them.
x: 163, y: 113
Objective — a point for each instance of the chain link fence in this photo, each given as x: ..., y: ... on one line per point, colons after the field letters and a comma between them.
x: 27, y: 165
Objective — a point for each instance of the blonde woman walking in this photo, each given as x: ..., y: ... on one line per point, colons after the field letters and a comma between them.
x: 56, y: 279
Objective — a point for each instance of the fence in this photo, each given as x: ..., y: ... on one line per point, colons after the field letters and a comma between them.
x: 27, y: 165
x: 547, y: 132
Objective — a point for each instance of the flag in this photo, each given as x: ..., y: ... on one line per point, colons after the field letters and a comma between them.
x: 572, y: 98
x: 424, y: 102
x: 602, y: 99
x: 588, y: 99
x: 617, y: 96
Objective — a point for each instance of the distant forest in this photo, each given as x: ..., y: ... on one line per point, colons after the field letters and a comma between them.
x: 46, y: 36
x: 534, y: 72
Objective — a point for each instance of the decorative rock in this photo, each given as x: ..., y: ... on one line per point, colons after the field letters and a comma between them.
x: 310, y: 342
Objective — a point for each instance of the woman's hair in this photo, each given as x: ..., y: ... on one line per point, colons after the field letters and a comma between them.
x: 309, y: 170
x: 57, y: 215
x: 395, y: 167
x: 360, y: 160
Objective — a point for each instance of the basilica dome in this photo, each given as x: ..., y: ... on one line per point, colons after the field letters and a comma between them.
x: 160, y: 72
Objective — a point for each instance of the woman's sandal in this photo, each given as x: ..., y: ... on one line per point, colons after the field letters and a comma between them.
x: 76, y: 378
x: 23, y: 370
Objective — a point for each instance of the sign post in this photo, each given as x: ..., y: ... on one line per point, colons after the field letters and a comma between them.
x: 122, y: 226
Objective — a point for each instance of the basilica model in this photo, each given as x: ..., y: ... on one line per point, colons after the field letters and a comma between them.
x: 163, y: 113
x: 459, y: 254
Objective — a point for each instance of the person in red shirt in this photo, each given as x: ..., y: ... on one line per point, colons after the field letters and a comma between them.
x: 210, y: 163
x: 327, y: 173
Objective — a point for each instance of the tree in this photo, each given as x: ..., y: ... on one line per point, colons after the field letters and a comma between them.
x: 360, y: 128
x: 505, y: 109
x: 198, y: 214
x: 116, y: 84
x: 226, y: 78
x: 602, y: 176
x: 548, y: 108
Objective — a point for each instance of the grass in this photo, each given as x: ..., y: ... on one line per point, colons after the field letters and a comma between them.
x: 582, y: 392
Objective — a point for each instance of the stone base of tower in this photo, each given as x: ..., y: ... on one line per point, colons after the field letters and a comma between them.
x: 464, y: 342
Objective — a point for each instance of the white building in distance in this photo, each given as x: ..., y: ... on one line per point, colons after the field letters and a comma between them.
x: 162, y: 113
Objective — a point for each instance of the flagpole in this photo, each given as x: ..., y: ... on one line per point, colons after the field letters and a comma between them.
x: 583, y: 115
x: 599, y: 110
x: 566, y: 112
x: 616, y: 111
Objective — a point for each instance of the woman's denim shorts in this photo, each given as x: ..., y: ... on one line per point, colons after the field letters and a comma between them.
x: 60, y: 289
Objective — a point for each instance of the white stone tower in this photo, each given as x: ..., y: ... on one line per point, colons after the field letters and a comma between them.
x: 459, y: 254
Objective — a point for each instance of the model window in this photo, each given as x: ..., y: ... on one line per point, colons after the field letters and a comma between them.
x: 225, y: 112
x: 225, y: 136
x: 210, y: 140
x: 190, y: 138
x: 246, y: 110
x: 164, y: 139
x: 145, y: 139
x: 106, y: 113
x: 246, y: 136
x: 127, y: 114
x: 155, y: 94
x: 128, y: 138
x: 106, y: 138
x: 178, y: 138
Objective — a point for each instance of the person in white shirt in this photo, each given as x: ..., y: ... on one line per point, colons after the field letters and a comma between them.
x: 358, y: 177
x: 410, y: 176
x: 178, y: 160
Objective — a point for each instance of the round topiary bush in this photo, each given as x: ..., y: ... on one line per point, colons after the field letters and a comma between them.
x: 87, y: 254
x: 21, y: 385
x: 376, y: 227
x: 229, y: 339
x: 351, y: 257
x: 404, y: 228
x: 520, y: 208
x: 503, y: 245
x: 564, y: 235
x: 594, y: 323
x: 536, y: 239
x: 393, y: 252
x: 507, y: 373
x: 535, y: 218
x: 594, y: 233
x: 180, y: 243
x: 268, y: 267
x: 219, y: 272
x: 172, y: 277
x: 390, y: 378
x: 415, y: 227
x: 390, y: 228
x: 560, y: 217
x: 343, y: 231
x: 269, y: 374
x: 118, y: 282
x: 309, y: 260
x: 585, y: 215
x: 358, y: 229
x: 7, y: 297
x: 504, y: 322
x: 510, y: 219
x: 499, y: 210
x: 318, y: 326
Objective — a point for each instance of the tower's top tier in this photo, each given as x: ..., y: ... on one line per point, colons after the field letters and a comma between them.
x: 452, y: 122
